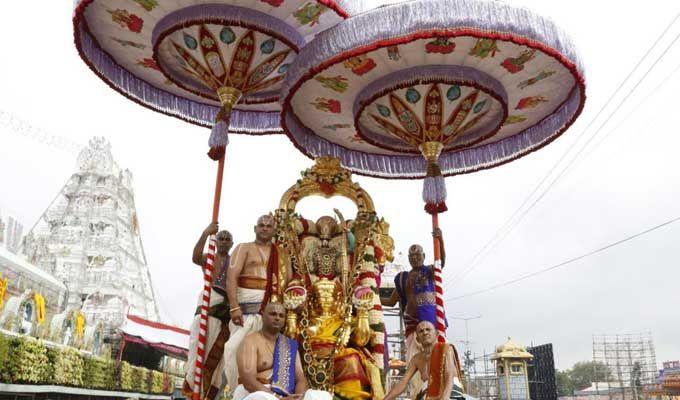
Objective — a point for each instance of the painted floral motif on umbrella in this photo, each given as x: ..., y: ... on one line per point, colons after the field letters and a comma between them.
x: 454, y: 114
x: 200, y: 63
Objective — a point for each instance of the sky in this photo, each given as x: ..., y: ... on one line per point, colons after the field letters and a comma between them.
x: 625, y: 184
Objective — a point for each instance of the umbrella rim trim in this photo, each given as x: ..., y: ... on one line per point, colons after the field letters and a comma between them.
x: 421, y: 175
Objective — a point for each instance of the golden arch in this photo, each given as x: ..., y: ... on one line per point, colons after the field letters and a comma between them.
x: 327, y: 179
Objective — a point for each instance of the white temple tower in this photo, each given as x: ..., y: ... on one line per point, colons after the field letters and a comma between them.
x: 89, y: 238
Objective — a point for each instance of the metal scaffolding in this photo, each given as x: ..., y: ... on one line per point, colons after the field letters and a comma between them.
x: 396, y: 342
x: 480, y: 377
x: 394, y: 323
x: 629, y: 362
x: 396, y: 347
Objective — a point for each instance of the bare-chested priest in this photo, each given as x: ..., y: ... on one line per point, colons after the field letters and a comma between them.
x: 269, y: 363
x: 435, y: 364
x: 248, y: 289
x: 218, y: 317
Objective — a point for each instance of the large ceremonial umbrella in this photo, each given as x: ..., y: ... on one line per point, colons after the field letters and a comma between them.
x: 431, y: 88
x: 216, y: 63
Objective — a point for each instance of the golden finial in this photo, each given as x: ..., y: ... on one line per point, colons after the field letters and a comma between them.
x: 431, y: 150
x: 228, y: 96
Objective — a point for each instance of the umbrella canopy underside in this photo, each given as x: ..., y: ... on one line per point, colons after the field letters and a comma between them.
x: 489, y: 81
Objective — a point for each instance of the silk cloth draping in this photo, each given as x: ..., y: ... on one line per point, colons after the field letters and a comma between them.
x: 213, y: 364
x: 252, y: 322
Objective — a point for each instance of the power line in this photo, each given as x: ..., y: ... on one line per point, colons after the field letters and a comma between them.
x: 628, y: 115
x: 511, y: 223
x: 563, y: 263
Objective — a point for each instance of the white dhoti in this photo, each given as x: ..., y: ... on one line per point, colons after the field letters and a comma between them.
x: 415, y: 386
x: 412, y: 347
x: 242, y: 394
x: 421, y: 393
x: 216, y: 374
x: 250, y: 300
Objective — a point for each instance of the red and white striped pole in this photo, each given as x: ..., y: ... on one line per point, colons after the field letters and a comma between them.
x: 207, y: 289
x: 203, y: 322
x: 438, y: 287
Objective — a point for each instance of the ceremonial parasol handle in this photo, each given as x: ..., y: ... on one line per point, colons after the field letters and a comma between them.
x: 228, y: 98
x: 207, y: 288
x: 218, y: 190
x: 435, y: 240
x: 438, y: 287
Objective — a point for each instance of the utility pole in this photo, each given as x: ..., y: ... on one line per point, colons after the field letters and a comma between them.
x: 468, y: 361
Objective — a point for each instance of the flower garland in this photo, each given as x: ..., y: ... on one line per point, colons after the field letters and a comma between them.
x: 98, y: 373
x: 27, y: 360
x: 80, y: 324
x: 3, y: 290
x: 125, y: 379
x: 157, y: 382
x: 368, y: 271
x: 68, y: 366
x: 39, y: 307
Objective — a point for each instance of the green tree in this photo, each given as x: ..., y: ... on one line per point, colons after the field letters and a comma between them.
x: 563, y: 383
x: 580, y: 376
x: 585, y: 372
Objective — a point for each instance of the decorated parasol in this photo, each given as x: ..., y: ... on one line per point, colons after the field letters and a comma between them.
x: 217, y: 64
x: 433, y: 88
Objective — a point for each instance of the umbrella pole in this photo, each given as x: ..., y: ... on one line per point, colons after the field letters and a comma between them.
x: 218, y: 190
x: 438, y: 287
x: 207, y: 287
x: 218, y: 141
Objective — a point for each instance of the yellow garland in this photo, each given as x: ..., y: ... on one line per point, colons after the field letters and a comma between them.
x: 3, y: 290
x: 40, y: 307
x: 80, y: 324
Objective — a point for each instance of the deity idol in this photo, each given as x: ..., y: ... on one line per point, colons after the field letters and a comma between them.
x: 337, y: 330
x: 331, y: 301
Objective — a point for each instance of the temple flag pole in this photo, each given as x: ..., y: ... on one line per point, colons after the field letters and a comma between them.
x: 218, y: 143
